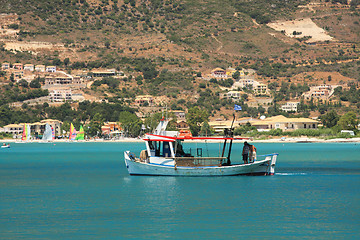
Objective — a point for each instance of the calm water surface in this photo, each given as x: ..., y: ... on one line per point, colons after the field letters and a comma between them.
x: 83, y: 191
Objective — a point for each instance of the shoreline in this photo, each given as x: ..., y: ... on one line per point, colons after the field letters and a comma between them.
x: 133, y: 140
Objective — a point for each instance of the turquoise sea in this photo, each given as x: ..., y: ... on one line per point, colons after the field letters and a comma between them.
x: 83, y: 191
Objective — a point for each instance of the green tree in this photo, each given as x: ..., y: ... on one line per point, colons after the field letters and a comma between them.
x: 65, y: 127
x: 348, y: 121
x: 94, y: 128
x: 330, y: 119
x: 130, y: 123
x: 206, y: 130
x: 236, y: 75
x: 195, y: 118
x: 66, y: 61
x: 12, y: 78
x: 107, y: 44
x: 23, y: 83
x: 35, y: 83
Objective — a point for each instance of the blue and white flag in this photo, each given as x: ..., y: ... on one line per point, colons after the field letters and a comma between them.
x: 237, y: 108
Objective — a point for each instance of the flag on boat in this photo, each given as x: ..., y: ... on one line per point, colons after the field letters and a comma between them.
x: 237, y: 108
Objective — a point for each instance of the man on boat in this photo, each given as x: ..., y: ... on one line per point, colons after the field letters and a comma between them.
x: 252, y: 153
x: 245, y: 152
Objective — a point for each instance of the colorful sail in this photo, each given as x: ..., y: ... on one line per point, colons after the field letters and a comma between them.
x: 28, y: 132
x: 47, y: 136
x: 24, y: 134
x: 52, y: 133
x: 80, y: 134
x: 72, y: 134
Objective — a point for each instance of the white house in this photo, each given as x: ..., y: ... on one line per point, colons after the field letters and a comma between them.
x: 290, y: 106
x: 60, y: 95
x: 40, y: 68
x: 50, y: 69
x: 29, y: 67
x: 13, y: 128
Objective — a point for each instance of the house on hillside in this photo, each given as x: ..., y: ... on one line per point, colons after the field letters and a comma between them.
x: 60, y: 95
x: 18, y: 66
x: 103, y: 73
x: 18, y: 75
x: 230, y: 72
x: 13, y: 128
x: 182, y: 124
x: 246, y: 82
x: 5, y: 66
x: 180, y: 115
x: 260, y: 88
x: 220, y: 125
x: 64, y: 80
x: 320, y: 92
x: 144, y: 99
x: 29, y: 67
x: 50, y: 69
x: 111, y: 128
x: 219, y: 73
x: 234, y: 95
x: 58, y: 80
x: 290, y: 106
x: 284, y: 123
x: 40, y: 68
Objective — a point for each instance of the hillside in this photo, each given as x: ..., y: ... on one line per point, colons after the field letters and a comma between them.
x: 164, y: 44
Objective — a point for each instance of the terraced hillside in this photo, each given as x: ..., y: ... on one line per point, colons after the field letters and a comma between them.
x: 183, y: 34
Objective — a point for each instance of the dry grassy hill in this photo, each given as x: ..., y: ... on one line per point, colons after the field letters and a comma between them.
x: 186, y: 36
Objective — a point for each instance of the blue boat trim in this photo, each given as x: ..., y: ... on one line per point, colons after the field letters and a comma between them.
x: 158, y: 164
x: 171, y: 175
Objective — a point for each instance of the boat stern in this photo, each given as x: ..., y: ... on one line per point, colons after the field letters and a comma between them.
x: 272, y: 163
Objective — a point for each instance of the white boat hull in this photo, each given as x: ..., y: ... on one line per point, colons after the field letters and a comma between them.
x: 263, y: 167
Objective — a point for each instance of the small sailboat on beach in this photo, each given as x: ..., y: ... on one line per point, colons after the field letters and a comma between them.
x: 48, y: 134
x: 72, y: 134
x: 164, y: 155
x: 80, y: 134
x: 26, y: 134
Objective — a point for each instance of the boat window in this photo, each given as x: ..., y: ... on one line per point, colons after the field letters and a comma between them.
x: 166, y: 149
x: 157, y: 148
x: 179, y: 150
x: 151, y: 145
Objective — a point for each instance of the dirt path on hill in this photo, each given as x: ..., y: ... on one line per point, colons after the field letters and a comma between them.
x: 220, y: 43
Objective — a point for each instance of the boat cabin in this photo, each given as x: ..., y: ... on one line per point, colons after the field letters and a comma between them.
x: 169, y: 150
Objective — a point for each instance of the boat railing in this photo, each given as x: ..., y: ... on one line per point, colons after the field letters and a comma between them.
x: 199, y: 161
x: 268, y: 155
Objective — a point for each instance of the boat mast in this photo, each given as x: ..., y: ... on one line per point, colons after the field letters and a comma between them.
x: 231, y: 134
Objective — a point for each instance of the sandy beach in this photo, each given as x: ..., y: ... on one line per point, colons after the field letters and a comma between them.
x: 273, y: 140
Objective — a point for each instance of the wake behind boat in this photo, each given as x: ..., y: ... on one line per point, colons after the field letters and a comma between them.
x: 165, y: 156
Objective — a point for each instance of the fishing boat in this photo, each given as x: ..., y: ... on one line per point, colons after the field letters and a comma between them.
x: 164, y: 155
